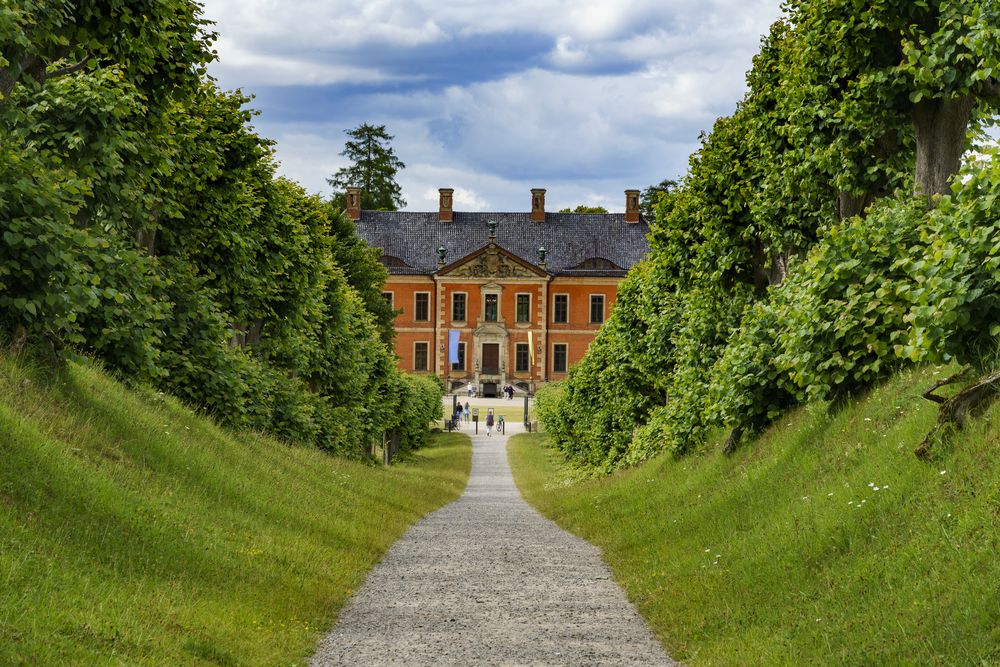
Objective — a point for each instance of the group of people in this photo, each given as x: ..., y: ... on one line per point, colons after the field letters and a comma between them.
x: 461, y: 413
x: 508, y: 391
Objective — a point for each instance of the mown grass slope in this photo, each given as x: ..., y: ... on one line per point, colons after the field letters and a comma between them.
x: 133, y: 531
x: 825, y: 541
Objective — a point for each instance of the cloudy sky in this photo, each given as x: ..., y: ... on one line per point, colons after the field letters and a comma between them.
x: 585, y: 98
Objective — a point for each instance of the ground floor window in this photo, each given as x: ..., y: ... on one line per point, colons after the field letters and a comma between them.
x: 420, y: 356
x: 460, y: 364
x: 559, y: 354
x: 521, y: 360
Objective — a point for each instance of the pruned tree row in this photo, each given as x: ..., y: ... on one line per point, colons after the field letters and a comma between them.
x: 826, y: 234
x: 142, y: 223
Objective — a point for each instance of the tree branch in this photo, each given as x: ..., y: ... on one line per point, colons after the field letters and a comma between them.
x: 63, y: 71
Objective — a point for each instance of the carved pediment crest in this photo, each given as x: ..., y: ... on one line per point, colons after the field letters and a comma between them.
x: 492, y: 264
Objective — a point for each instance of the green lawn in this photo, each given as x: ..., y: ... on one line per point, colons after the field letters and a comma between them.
x: 134, y: 532
x: 824, y: 542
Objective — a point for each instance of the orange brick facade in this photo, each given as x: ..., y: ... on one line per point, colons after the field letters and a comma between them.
x: 525, y: 293
x: 550, y: 346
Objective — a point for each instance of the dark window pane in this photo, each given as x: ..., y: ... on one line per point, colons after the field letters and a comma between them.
x: 561, y: 308
x: 458, y: 307
x: 521, y: 359
x: 388, y: 298
x: 597, y: 308
x: 559, y: 358
x: 420, y: 357
x: 523, y: 307
x: 491, y: 308
x: 422, y: 308
x: 460, y: 364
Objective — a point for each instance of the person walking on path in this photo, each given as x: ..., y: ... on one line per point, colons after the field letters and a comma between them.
x: 466, y: 413
x: 489, y: 421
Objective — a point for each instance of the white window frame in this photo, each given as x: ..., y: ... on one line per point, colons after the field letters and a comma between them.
x: 563, y: 345
x: 604, y: 308
x: 517, y: 297
x: 554, y: 320
x: 427, y: 357
x: 429, y: 307
x: 463, y: 355
x: 452, y: 313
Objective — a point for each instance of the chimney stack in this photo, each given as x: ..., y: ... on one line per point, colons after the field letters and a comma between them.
x: 354, y: 203
x: 444, y: 204
x: 631, y: 206
x: 538, y: 205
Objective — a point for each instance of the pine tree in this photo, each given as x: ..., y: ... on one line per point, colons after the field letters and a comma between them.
x: 373, y: 168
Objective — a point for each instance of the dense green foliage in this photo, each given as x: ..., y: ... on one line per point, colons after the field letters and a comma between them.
x: 373, y: 168
x: 823, y: 542
x: 135, y: 531
x: 142, y: 223
x: 800, y: 258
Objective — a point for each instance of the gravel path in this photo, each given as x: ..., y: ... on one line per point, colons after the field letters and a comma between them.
x: 486, y: 580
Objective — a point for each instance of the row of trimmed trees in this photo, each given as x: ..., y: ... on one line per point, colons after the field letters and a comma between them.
x: 819, y: 240
x: 142, y: 223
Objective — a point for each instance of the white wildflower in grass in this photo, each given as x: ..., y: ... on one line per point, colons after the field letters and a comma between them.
x: 874, y: 488
x: 829, y: 495
x: 943, y: 471
x: 868, y: 419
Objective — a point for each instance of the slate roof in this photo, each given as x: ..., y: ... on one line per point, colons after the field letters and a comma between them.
x: 569, y: 238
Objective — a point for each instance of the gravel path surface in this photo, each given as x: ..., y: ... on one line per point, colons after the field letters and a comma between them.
x: 489, y: 581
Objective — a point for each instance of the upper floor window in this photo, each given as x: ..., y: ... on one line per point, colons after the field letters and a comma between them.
x: 523, y: 307
x: 388, y: 298
x: 560, y: 308
x: 460, y: 364
x: 458, y: 307
x: 422, y: 306
x: 596, y: 308
x: 492, y: 308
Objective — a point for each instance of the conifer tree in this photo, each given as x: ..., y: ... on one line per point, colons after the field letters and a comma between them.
x: 373, y: 168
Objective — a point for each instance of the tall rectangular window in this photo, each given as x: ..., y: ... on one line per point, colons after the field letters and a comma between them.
x: 458, y: 307
x: 521, y: 358
x: 560, y: 309
x: 559, y: 354
x: 388, y: 298
x: 523, y: 307
x: 492, y: 306
x: 460, y: 364
x: 420, y: 356
x: 596, y: 308
x: 422, y: 306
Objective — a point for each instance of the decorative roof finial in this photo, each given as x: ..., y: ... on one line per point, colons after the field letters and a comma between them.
x: 442, y: 252
x: 492, y: 224
x: 541, y: 256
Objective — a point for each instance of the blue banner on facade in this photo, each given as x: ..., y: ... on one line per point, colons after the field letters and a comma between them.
x: 453, y: 346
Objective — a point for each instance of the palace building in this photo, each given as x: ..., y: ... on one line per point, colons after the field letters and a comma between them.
x: 500, y: 298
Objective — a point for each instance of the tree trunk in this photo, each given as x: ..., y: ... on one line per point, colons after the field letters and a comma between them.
x: 146, y: 240
x: 955, y: 411
x: 849, y: 205
x: 769, y: 268
x: 940, y: 126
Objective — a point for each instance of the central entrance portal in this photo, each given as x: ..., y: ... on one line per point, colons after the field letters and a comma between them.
x: 491, y: 358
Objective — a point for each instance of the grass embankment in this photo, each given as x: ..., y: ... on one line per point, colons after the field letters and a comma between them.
x: 825, y: 541
x: 133, y: 531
